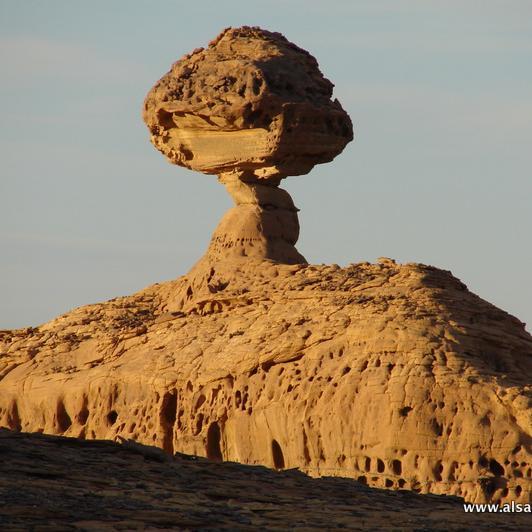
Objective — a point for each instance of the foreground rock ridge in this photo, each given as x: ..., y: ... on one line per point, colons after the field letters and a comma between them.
x: 51, y: 483
x: 394, y: 375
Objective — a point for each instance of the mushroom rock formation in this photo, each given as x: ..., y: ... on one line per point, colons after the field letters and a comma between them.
x: 251, y: 104
x: 395, y: 375
x: 253, y: 108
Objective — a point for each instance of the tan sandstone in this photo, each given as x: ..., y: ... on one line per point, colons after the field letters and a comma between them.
x: 251, y: 103
x: 392, y: 374
x: 395, y: 375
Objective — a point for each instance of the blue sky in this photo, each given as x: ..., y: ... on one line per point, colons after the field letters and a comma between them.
x: 440, y: 94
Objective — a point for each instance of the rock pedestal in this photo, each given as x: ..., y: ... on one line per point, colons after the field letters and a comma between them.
x: 262, y: 225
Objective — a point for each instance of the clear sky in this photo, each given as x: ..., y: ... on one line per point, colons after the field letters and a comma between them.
x: 440, y: 172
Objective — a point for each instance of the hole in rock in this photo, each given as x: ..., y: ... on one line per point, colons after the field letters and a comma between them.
x: 277, y: 454
x: 257, y: 83
x: 388, y: 483
x: 265, y: 366
x: 380, y: 465
x: 214, y: 436
x: 496, y: 468
x: 63, y: 419
x: 83, y: 414
x: 254, y: 116
x: 437, y: 427
x: 112, y: 416
x: 166, y: 119
x: 452, y: 470
x: 362, y: 479
x: 402, y: 482
x: 199, y: 424
x: 405, y: 410
x: 489, y: 487
x: 168, y: 416
x: 169, y: 409
x: 438, y: 471
x: 13, y: 419
x: 518, y: 490
x: 397, y: 467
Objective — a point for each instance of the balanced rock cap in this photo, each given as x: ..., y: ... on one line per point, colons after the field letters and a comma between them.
x: 252, y: 104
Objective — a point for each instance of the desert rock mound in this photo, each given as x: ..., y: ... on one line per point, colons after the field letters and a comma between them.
x: 394, y: 375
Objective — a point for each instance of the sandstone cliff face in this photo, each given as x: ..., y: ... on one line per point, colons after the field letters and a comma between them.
x: 395, y: 375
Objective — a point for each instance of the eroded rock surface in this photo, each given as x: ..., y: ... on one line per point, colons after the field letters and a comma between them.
x: 395, y: 375
x: 253, y: 108
x: 252, y: 103
x: 263, y: 224
x: 50, y: 483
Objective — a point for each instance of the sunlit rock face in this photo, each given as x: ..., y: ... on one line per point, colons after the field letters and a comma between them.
x: 393, y: 374
x: 252, y: 103
x: 252, y: 108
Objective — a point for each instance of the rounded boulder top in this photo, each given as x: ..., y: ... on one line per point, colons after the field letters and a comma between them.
x: 251, y: 104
